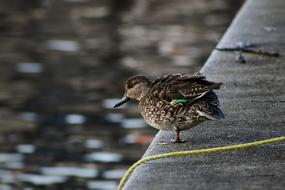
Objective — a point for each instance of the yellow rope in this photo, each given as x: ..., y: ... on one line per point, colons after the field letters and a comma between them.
x: 194, y: 152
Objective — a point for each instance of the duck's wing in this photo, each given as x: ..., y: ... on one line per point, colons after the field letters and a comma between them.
x: 182, y: 86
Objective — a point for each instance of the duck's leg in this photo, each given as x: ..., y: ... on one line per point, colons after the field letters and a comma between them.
x: 178, y: 140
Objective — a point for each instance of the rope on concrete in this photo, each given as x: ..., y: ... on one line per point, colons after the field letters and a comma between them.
x: 195, y: 152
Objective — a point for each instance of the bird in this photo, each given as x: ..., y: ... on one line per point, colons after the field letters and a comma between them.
x: 174, y: 102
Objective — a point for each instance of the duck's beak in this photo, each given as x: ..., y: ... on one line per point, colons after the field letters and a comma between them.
x: 122, y: 101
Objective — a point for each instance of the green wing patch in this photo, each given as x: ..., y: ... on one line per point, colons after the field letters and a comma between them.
x: 175, y: 101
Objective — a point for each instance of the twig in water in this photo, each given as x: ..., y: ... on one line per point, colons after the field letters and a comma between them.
x: 249, y: 50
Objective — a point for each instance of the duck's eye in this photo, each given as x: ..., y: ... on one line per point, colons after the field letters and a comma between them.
x: 132, y: 84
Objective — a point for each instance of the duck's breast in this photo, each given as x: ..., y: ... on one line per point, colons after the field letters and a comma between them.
x: 155, y: 114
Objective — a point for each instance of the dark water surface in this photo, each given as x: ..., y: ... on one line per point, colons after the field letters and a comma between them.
x: 62, y: 66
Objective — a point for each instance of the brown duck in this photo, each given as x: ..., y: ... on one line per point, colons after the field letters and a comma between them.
x: 174, y: 102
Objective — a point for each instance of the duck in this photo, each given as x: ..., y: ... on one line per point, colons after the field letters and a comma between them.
x: 174, y: 102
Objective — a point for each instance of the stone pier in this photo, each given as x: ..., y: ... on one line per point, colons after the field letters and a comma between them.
x: 253, y: 100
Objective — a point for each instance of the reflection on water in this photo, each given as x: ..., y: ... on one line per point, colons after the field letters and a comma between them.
x: 25, y: 148
x: 41, y: 179
x: 29, y: 68
x: 133, y: 123
x: 63, y: 45
x: 94, y: 144
x: 70, y: 171
x: 62, y: 66
x: 104, y: 157
x: 10, y: 157
x: 75, y: 119
x: 103, y: 185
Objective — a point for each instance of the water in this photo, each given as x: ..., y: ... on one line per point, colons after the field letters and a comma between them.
x: 62, y: 66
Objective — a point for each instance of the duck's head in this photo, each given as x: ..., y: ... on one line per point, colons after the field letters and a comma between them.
x: 135, y: 88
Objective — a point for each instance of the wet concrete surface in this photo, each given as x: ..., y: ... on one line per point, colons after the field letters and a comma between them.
x: 62, y: 65
x: 252, y: 98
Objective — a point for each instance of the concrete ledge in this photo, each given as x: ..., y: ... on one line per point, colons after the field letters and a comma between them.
x: 253, y: 99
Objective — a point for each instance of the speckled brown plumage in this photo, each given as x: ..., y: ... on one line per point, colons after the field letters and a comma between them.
x: 174, y: 102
